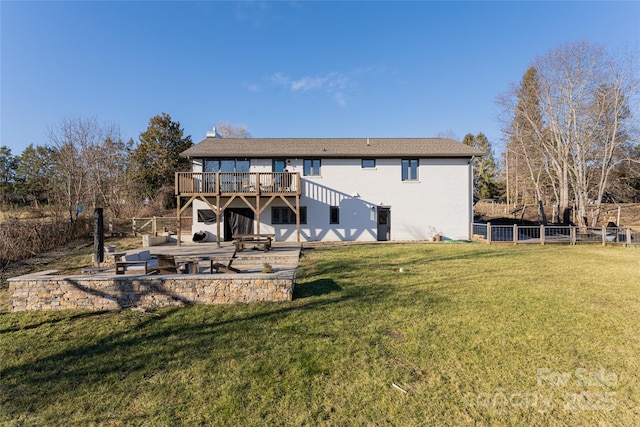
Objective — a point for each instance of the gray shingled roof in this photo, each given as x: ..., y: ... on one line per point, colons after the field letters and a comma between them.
x: 330, y: 147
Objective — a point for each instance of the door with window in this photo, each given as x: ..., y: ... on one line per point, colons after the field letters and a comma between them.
x: 384, y: 224
x: 279, y: 166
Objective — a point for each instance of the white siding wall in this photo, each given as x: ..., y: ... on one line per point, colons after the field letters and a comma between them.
x: 439, y: 202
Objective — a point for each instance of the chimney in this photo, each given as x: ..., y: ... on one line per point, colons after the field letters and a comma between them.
x: 213, y: 133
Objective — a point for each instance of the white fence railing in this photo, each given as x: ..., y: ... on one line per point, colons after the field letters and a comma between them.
x: 546, y: 234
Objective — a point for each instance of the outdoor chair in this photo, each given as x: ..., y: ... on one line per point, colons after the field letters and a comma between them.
x: 223, y: 268
x: 167, y: 265
x: 268, y: 187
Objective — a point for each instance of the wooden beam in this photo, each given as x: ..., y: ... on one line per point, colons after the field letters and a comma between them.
x: 298, y: 216
x: 182, y: 209
x: 258, y: 214
x: 294, y: 209
x: 179, y: 222
x: 215, y: 209
x: 271, y: 199
x: 218, y: 220
x: 253, y: 208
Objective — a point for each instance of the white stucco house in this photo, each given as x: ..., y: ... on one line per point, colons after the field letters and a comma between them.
x: 329, y: 189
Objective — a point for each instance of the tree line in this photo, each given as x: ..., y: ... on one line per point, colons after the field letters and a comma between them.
x: 87, y: 164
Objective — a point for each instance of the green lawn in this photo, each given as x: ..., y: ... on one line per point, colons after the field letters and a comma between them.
x: 468, y: 334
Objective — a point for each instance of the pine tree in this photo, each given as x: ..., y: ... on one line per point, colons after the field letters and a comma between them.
x: 157, y: 157
x: 485, y: 185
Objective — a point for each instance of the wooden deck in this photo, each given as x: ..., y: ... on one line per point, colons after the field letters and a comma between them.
x: 237, y: 183
x: 257, y: 190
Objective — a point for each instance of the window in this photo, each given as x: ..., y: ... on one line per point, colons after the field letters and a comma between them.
x: 368, y: 163
x: 206, y: 215
x: 311, y: 167
x: 227, y: 165
x: 284, y: 215
x: 409, y: 169
x: 334, y: 215
x: 212, y: 165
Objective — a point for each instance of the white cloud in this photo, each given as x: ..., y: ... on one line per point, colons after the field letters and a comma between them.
x: 333, y: 84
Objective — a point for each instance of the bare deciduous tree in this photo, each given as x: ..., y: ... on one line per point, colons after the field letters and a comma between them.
x: 89, y: 161
x: 584, y: 98
x: 228, y: 130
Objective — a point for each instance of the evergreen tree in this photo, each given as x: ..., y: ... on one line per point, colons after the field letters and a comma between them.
x: 529, y: 172
x: 33, y: 174
x: 157, y: 157
x: 8, y: 163
x: 485, y: 184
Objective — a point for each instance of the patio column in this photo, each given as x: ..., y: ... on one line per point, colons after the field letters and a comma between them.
x: 218, y: 212
x: 179, y: 224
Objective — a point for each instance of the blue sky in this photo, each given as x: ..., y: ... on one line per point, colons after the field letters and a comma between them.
x: 283, y: 69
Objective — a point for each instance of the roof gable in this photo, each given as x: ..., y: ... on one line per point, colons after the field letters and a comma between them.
x: 330, y: 148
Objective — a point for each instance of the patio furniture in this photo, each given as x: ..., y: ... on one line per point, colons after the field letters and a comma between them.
x: 141, y: 262
x: 168, y: 264
x: 259, y: 240
x: 222, y: 268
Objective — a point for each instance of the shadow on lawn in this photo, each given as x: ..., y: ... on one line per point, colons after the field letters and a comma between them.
x: 59, y: 317
x: 147, y: 347
x: 315, y: 288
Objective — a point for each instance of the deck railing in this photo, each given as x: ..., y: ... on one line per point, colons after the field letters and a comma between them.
x: 230, y: 183
x: 546, y: 234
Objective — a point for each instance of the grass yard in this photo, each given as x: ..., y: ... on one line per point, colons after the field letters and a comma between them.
x: 468, y: 334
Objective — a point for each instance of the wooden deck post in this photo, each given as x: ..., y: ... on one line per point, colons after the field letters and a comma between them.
x: 604, y: 236
x: 542, y: 234
x: 298, y: 217
x: 179, y: 222
x: 218, y: 212
x: 489, y: 232
x: 572, y: 234
x: 258, y: 214
x: 515, y: 234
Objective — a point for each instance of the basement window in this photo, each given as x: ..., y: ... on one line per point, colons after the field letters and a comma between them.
x: 206, y: 215
x: 284, y: 215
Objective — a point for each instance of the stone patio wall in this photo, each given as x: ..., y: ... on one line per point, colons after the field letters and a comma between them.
x: 46, y: 291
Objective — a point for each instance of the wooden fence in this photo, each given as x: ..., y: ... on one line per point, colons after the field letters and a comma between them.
x: 159, y: 224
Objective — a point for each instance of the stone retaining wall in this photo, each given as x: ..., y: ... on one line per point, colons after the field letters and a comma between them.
x: 45, y: 291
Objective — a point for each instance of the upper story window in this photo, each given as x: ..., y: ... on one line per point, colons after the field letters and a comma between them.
x: 227, y: 165
x: 311, y: 167
x: 368, y: 163
x: 409, y: 169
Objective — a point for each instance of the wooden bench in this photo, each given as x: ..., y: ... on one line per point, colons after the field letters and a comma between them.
x: 258, y: 240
